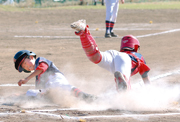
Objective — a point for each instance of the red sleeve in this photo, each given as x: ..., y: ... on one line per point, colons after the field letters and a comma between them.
x: 143, y: 68
x: 42, y: 66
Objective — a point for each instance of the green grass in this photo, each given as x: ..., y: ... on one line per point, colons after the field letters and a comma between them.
x: 11, y: 8
x: 147, y: 5
x: 157, y: 5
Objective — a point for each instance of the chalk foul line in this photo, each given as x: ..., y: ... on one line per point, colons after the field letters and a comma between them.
x: 154, y: 34
x: 93, y: 116
x: 77, y: 37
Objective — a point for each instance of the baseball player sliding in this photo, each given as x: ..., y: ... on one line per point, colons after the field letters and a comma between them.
x: 123, y: 64
x: 47, y: 75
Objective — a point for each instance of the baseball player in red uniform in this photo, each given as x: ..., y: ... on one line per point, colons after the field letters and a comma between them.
x: 123, y: 64
x: 112, y: 7
x: 47, y: 75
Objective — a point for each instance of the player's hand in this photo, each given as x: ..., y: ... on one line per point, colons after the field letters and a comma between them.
x: 122, y: 1
x: 22, y: 81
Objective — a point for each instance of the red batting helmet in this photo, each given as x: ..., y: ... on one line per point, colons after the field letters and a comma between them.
x: 129, y: 42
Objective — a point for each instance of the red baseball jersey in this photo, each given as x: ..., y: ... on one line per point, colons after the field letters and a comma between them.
x: 138, y: 63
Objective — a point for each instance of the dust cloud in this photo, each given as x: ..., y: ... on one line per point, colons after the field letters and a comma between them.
x: 154, y: 97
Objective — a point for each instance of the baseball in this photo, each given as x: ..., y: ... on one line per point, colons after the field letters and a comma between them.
x: 23, y: 111
x: 97, y: 29
x: 82, y: 120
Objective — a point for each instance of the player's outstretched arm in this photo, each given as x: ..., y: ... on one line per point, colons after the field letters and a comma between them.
x: 145, y: 77
x: 146, y: 80
x: 24, y: 81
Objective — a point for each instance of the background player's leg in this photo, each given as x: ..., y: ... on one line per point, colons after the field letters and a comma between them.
x: 114, y: 17
x: 109, y: 13
x: 111, y: 30
x: 107, y: 34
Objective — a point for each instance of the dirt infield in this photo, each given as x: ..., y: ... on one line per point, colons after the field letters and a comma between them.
x: 48, y: 34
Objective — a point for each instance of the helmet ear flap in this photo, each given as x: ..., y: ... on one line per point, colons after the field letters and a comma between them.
x: 136, y: 47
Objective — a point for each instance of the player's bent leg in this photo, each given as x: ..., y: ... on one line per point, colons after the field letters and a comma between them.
x: 121, y: 83
x: 88, y: 43
x: 90, y: 47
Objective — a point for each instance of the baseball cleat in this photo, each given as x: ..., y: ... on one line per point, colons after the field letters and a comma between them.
x: 88, y: 97
x: 107, y: 35
x: 113, y: 35
x: 83, y: 96
x: 120, y: 81
x: 79, y: 25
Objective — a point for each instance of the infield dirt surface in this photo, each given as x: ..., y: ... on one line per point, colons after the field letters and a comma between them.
x: 47, y: 32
